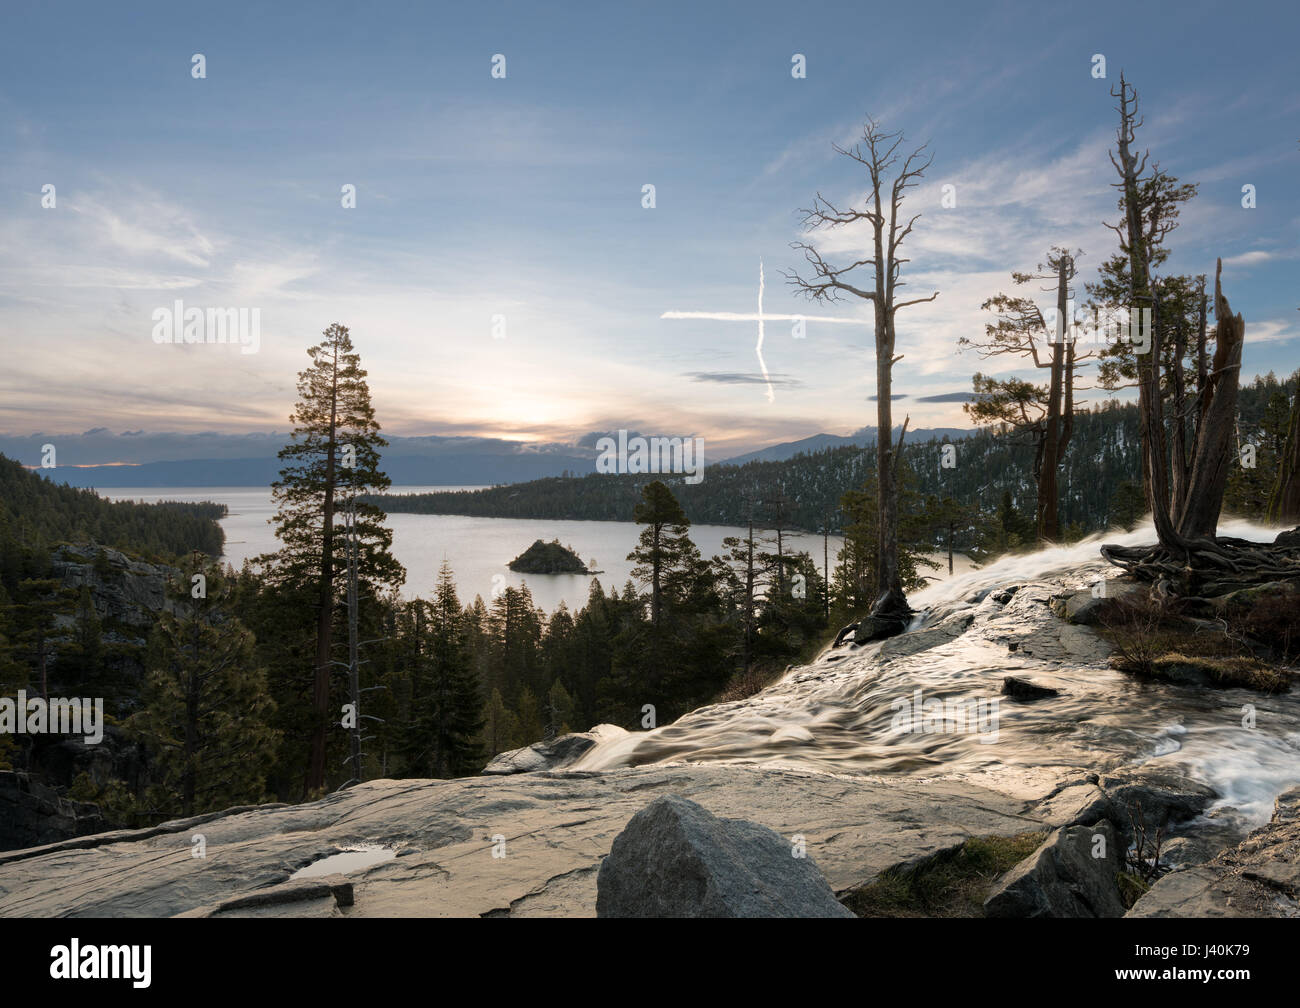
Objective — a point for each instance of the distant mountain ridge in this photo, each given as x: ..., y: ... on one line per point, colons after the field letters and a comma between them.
x: 864, y: 438
x: 409, y: 461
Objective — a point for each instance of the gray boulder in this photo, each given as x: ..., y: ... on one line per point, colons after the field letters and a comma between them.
x: 1075, y: 804
x: 1083, y: 608
x: 675, y: 859
x: 553, y: 755
x: 1154, y: 797
x: 1064, y: 878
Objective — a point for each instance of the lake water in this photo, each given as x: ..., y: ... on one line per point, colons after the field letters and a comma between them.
x: 478, y: 549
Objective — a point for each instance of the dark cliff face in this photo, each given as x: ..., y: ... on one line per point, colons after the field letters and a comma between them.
x: 127, y: 595
x: 124, y: 590
x: 32, y: 814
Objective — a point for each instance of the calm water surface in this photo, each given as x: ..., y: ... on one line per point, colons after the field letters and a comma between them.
x: 478, y: 549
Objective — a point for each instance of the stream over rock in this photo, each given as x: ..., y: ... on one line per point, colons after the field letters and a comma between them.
x: 877, y: 756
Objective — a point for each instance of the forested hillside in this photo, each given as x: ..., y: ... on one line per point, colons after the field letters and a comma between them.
x: 38, y: 513
x: 988, y: 463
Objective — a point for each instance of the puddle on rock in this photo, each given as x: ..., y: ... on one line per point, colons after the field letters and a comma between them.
x: 349, y: 859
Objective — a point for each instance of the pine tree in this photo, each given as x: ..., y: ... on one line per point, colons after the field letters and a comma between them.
x: 500, y: 726
x: 334, y: 454
x: 206, y: 708
x: 446, y: 704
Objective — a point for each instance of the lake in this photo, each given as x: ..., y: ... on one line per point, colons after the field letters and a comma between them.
x: 478, y: 549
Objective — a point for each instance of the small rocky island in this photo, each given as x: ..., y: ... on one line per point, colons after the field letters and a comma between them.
x: 548, y: 558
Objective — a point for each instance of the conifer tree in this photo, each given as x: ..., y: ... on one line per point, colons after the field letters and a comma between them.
x: 334, y: 454
x: 206, y: 707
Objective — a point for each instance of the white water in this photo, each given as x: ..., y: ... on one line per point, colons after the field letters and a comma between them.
x: 839, y: 713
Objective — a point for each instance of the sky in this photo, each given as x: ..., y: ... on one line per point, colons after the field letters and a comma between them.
x: 500, y: 273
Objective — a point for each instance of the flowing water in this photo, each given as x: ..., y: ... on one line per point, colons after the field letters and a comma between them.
x: 850, y: 712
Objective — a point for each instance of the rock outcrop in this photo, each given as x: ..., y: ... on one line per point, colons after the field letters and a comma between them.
x: 1074, y: 874
x: 675, y: 859
x: 1151, y: 798
x: 1259, y: 877
x: 125, y: 591
x: 521, y: 845
x: 553, y: 755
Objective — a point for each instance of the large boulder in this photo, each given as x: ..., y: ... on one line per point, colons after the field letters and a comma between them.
x: 1087, y: 608
x: 675, y: 859
x: 1074, y: 874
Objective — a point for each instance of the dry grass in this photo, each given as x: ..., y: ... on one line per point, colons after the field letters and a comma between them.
x: 1152, y: 641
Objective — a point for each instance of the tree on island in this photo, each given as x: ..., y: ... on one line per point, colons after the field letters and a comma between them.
x: 334, y: 454
x: 548, y: 558
x: 879, y: 153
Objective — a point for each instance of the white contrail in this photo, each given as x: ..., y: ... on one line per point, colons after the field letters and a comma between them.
x: 759, y: 348
x: 760, y: 318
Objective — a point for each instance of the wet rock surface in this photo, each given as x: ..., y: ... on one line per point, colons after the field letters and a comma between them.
x: 555, y: 754
x: 1259, y: 877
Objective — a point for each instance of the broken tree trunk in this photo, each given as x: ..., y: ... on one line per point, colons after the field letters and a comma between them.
x: 1213, y: 454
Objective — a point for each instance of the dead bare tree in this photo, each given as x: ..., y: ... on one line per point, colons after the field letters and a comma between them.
x: 890, y: 174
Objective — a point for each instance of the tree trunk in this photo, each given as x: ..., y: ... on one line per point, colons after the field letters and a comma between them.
x: 325, y: 612
x: 1048, y: 527
x: 889, y: 590
x: 1181, y: 463
x: 1214, y: 453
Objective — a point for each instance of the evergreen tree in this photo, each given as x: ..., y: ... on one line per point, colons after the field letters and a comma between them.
x: 446, y: 704
x: 500, y: 726
x: 206, y: 708
x: 334, y: 454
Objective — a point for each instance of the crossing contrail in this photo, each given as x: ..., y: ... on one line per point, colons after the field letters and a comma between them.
x: 760, y: 318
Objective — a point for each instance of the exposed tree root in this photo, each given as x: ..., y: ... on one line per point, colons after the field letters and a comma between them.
x: 1209, y: 567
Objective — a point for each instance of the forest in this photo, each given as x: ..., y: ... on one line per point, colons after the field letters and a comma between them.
x: 1096, y: 477
x: 307, y: 670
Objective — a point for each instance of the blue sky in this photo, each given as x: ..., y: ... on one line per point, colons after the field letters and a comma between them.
x: 522, y: 197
